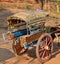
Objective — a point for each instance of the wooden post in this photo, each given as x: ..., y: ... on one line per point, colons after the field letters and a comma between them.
x: 4, y: 37
x: 57, y: 8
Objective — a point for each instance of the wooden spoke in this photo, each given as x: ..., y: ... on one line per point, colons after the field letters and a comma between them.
x: 46, y: 40
x: 41, y: 49
x: 43, y: 54
x: 49, y: 43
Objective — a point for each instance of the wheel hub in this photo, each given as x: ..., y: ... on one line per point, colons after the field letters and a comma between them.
x: 46, y: 47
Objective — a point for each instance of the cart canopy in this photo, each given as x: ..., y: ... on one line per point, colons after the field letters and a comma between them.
x: 53, y: 22
x: 28, y: 16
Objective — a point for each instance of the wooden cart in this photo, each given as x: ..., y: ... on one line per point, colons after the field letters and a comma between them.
x: 28, y: 28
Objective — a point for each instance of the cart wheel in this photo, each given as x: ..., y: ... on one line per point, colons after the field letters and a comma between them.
x: 17, y: 48
x: 44, y: 47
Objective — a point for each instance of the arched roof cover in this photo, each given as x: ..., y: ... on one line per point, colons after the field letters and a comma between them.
x: 28, y: 16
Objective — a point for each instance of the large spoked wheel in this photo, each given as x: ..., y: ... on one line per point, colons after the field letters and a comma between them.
x: 17, y: 48
x: 44, y: 47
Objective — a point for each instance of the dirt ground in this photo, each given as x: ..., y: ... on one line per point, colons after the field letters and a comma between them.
x: 7, y: 56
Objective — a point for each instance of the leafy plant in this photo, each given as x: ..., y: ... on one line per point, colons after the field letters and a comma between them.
x: 28, y: 6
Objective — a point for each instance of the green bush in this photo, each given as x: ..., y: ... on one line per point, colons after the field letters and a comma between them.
x: 28, y: 6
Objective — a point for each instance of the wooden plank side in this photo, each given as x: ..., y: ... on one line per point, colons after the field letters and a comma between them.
x: 30, y: 38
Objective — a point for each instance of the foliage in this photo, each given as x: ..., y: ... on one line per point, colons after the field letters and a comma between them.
x: 18, y: 6
x: 28, y: 6
x: 56, y: 1
x: 37, y: 1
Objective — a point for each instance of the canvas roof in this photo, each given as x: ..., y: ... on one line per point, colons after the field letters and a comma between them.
x: 29, y: 15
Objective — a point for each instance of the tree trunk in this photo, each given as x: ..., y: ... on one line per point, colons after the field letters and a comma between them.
x: 45, y: 5
x: 42, y: 4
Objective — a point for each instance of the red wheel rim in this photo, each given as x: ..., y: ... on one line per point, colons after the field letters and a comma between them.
x: 44, y: 47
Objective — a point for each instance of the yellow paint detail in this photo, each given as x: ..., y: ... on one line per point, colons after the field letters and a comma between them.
x: 12, y: 27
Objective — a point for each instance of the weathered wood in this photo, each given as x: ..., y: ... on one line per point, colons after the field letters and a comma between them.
x: 29, y: 16
x: 30, y: 38
x: 19, y: 24
x: 52, y: 22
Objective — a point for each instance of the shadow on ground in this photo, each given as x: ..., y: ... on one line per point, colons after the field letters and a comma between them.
x: 56, y: 50
x: 4, y: 13
x: 32, y: 51
x: 5, y: 54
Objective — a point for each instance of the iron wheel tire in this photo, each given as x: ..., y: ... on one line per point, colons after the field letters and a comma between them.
x: 42, y: 53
